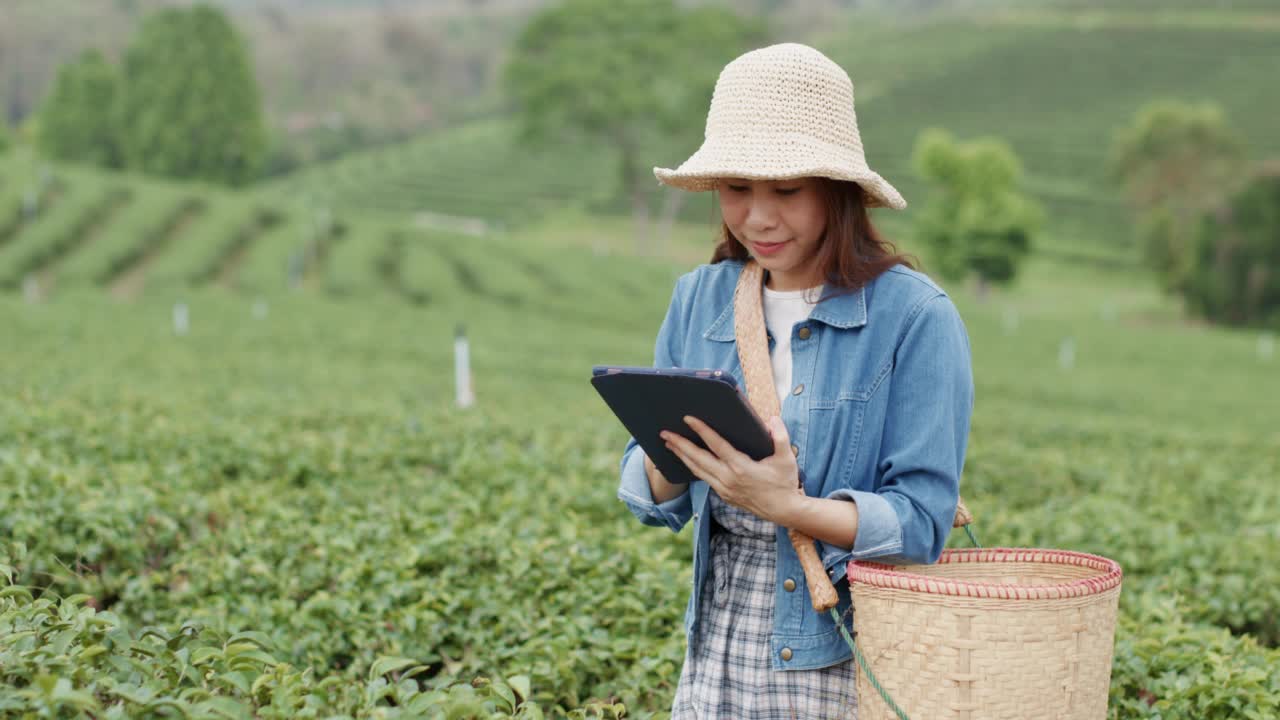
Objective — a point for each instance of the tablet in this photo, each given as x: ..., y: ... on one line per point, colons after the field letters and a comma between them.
x: 649, y: 400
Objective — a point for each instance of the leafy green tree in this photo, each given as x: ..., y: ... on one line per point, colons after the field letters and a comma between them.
x: 635, y: 74
x: 1175, y: 161
x: 1235, y: 274
x: 977, y: 220
x: 77, y: 119
x: 190, y: 105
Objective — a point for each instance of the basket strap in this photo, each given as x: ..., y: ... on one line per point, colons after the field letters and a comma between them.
x: 866, y: 669
x: 968, y: 530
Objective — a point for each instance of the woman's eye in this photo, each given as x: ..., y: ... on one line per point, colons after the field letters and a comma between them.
x: 737, y: 188
x: 787, y: 191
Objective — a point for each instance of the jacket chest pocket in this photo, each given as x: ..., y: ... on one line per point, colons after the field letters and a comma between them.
x: 836, y: 435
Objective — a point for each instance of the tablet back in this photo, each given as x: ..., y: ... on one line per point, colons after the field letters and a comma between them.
x: 649, y: 402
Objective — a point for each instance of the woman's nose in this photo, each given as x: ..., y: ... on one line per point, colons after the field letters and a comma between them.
x: 761, y: 213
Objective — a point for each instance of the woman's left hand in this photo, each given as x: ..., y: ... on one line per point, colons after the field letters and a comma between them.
x: 762, y: 487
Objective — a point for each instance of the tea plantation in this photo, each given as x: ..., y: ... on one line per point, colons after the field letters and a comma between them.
x: 279, y: 513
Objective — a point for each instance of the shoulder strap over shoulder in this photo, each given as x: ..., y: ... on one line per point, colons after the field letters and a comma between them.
x: 757, y: 373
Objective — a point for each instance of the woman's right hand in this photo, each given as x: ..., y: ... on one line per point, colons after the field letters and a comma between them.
x: 658, y: 485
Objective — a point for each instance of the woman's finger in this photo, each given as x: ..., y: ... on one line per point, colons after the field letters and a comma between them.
x: 697, y: 458
x: 693, y: 450
x: 781, y: 438
x: 706, y: 460
x: 709, y: 478
x: 695, y: 467
x: 718, y: 445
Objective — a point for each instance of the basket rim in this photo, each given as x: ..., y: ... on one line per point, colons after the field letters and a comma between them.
x: 893, y: 577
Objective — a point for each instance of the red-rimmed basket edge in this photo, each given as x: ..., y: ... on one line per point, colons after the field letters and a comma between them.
x: 893, y: 576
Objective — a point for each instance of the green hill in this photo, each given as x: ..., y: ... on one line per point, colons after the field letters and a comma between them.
x: 1057, y: 92
x: 1055, y: 79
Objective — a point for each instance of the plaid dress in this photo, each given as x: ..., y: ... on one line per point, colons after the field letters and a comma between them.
x: 727, y: 671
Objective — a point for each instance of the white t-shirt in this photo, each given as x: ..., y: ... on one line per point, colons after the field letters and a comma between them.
x: 782, y: 310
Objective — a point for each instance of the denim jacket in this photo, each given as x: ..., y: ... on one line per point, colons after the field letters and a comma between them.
x: 879, y: 415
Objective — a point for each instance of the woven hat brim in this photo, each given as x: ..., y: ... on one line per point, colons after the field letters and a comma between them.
x: 776, y: 158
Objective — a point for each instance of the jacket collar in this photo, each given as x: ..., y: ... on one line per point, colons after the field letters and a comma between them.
x: 845, y: 311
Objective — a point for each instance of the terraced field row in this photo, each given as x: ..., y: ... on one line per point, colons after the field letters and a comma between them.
x: 482, y: 171
x: 134, y: 236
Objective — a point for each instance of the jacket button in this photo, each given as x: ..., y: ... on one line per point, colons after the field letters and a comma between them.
x: 799, y: 389
x: 795, y: 450
x: 789, y: 585
x: 803, y: 334
x: 785, y: 654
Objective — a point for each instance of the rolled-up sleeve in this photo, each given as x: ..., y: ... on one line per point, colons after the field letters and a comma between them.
x: 635, y: 492
x: 633, y: 489
x: 909, y: 515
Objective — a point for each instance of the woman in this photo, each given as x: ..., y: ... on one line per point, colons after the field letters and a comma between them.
x: 873, y: 380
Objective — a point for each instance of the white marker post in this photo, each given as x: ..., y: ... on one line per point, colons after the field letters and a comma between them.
x: 295, y: 269
x: 1108, y: 312
x: 31, y: 288
x: 1067, y: 353
x: 1010, y: 320
x: 323, y: 221
x: 181, y: 319
x: 259, y: 309
x: 1266, y: 346
x: 462, y: 369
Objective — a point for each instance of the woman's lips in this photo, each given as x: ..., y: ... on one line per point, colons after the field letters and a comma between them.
x: 768, y: 248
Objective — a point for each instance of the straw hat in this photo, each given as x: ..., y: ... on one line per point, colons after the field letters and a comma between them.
x: 784, y: 111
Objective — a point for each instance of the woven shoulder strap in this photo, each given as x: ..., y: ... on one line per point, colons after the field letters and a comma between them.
x: 757, y: 373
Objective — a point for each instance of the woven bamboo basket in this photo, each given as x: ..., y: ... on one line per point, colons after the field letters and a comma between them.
x: 987, y: 634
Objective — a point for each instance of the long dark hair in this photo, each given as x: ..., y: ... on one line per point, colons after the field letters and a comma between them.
x: 851, y: 251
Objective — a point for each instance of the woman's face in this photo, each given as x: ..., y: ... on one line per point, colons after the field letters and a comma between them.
x: 781, y: 224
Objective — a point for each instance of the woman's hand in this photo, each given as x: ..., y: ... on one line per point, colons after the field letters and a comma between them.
x: 766, y: 488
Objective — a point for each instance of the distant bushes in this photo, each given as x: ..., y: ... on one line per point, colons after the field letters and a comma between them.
x: 1235, y: 276
x: 979, y: 222
x: 183, y: 104
x: 76, y: 121
x: 1208, y: 222
x: 633, y: 74
x: 1174, y: 161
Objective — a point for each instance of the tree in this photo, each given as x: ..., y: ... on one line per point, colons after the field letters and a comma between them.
x: 635, y: 74
x: 1175, y: 161
x: 77, y: 119
x: 977, y: 220
x: 1235, y: 274
x: 190, y: 105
